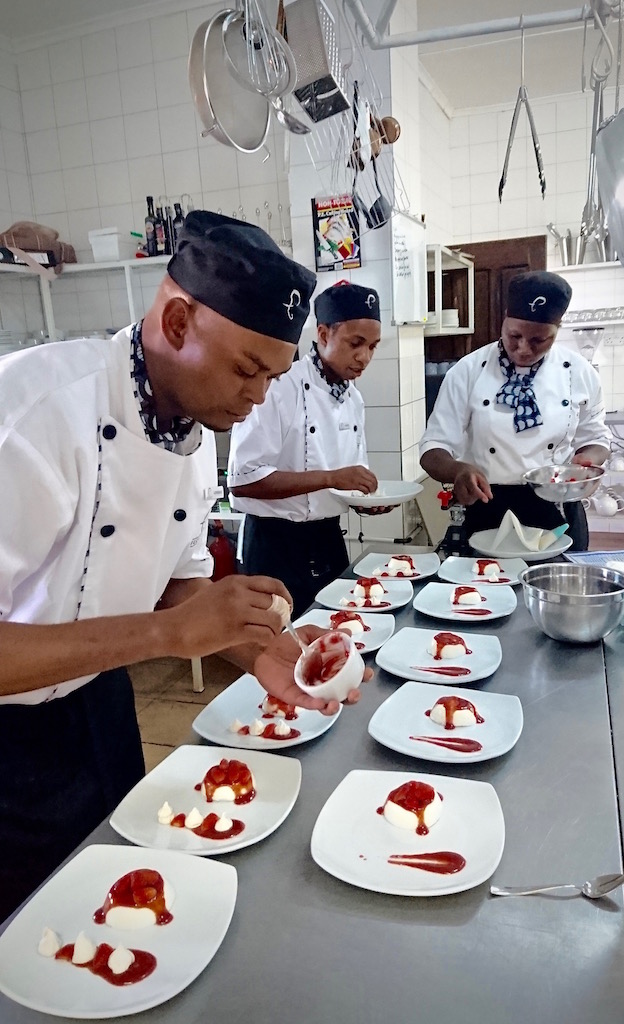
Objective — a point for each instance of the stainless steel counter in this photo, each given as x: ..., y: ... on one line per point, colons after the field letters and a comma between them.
x: 304, y: 946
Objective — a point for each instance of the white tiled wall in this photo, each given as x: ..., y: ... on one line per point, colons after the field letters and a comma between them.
x: 108, y: 119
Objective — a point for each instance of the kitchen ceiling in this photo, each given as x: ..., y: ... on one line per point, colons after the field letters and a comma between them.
x: 470, y: 72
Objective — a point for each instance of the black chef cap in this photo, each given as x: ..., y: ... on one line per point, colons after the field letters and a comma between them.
x: 236, y: 269
x: 345, y: 301
x: 538, y: 296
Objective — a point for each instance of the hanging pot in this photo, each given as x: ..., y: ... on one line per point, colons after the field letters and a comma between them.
x: 230, y: 113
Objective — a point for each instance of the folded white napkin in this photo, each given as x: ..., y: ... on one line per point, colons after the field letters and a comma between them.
x: 512, y: 534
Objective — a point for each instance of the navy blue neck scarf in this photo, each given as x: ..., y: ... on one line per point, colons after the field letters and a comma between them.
x: 517, y: 392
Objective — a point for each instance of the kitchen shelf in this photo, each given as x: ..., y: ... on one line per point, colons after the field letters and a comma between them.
x: 450, y: 280
x: 129, y: 268
x: 587, y: 266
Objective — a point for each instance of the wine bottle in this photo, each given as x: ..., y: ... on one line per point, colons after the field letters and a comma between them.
x: 160, y: 232
x: 151, y: 242
x: 169, y: 248
x: 178, y: 221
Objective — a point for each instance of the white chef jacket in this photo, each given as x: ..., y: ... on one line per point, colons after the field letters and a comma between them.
x: 468, y: 423
x: 94, y: 519
x: 299, y: 427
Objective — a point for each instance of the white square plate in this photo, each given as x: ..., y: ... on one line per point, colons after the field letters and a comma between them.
x: 242, y: 700
x: 278, y: 780
x: 400, y: 593
x: 435, y: 599
x: 426, y: 565
x: 402, y: 717
x: 407, y: 654
x: 351, y: 841
x: 483, y: 542
x: 205, y: 894
x: 459, y: 570
x: 389, y: 492
x: 381, y: 627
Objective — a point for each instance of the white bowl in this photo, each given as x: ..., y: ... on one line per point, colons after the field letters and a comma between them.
x: 319, y: 655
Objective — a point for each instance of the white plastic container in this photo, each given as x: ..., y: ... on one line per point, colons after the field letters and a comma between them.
x: 110, y: 244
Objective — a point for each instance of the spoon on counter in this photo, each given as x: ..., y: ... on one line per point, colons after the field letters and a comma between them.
x: 594, y: 888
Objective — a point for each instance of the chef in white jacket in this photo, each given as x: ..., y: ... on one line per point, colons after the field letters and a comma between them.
x: 108, y: 471
x: 520, y: 403
x: 306, y: 438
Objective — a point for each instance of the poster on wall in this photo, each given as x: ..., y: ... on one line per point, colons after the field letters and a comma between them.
x: 336, y: 227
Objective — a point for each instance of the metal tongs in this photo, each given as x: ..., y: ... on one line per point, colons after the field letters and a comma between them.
x: 523, y: 98
x: 593, y: 218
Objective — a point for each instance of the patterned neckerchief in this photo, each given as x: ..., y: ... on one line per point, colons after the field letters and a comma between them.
x: 336, y: 389
x: 180, y: 426
x: 517, y: 391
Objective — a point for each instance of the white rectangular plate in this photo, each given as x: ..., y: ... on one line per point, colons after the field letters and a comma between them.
x: 351, y: 841
x: 400, y: 593
x: 277, y: 779
x: 242, y: 700
x: 389, y: 492
x: 205, y: 894
x: 402, y: 717
x: 435, y: 599
x: 407, y: 654
x: 426, y: 565
x: 483, y: 542
x: 381, y: 627
x: 459, y: 570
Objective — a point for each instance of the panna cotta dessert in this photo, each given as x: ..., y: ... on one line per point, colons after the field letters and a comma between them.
x: 415, y: 806
x: 398, y: 565
x: 273, y: 707
x: 228, y: 780
x: 454, y: 712
x: 487, y: 567
x: 136, y: 900
x: 368, y: 592
x: 350, y: 622
x: 466, y: 595
x: 447, y: 645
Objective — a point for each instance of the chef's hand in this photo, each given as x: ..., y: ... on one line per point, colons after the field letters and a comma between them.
x: 376, y: 510
x: 471, y: 485
x: 274, y: 669
x: 233, y: 611
x: 353, y: 478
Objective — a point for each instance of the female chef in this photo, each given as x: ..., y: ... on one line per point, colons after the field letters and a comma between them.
x: 306, y: 438
x: 514, y: 405
x: 108, y: 471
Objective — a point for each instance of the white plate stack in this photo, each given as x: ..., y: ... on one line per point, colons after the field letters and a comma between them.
x: 450, y: 318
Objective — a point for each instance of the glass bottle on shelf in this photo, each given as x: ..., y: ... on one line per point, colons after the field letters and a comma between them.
x: 151, y: 241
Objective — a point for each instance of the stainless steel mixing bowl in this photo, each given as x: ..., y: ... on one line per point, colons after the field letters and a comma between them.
x: 576, y: 603
x: 564, y: 483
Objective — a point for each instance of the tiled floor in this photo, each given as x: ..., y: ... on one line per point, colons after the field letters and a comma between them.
x: 166, y: 703
x: 163, y: 688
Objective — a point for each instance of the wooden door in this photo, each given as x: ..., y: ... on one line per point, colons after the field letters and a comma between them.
x: 495, y: 263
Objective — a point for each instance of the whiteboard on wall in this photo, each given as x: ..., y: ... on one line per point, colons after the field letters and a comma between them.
x: 409, y: 270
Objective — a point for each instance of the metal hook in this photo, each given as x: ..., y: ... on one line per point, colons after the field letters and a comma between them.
x: 597, y: 76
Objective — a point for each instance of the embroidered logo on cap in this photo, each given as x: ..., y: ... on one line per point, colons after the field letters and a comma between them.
x: 370, y: 300
x: 295, y: 300
x: 539, y: 301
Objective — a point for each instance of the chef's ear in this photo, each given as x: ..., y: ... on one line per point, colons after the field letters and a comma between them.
x: 322, y: 333
x: 174, y: 320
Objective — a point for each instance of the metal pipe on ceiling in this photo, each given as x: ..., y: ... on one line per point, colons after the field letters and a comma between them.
x: 375, y: 39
